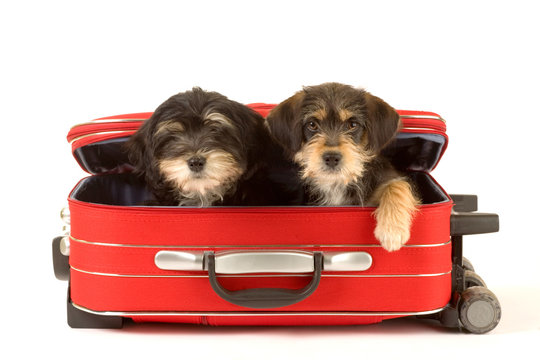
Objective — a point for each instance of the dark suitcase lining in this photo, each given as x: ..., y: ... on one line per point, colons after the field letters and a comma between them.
x: 411, y: 152
x: 129, y: 190
x: 408, y: 152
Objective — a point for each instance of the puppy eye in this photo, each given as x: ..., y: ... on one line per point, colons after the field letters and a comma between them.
x: 312, y: 126
x: 353, y: 124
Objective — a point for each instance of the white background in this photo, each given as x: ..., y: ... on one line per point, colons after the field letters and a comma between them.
x: 474, y: 62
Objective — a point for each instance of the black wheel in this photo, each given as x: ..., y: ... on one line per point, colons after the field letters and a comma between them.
x: 479, y: 310
x: 467, y: 265
x: 473, y: 279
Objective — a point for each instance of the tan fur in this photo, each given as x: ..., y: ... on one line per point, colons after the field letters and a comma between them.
x: 220, y: 173
x: 345, y: 114
x: 169, y: 126
x: 319, y: 114
x: 397, y: 206
x: 218, y: 118
x: 331, y: 185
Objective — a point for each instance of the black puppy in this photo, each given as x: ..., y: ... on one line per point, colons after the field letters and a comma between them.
x: 201, y: 149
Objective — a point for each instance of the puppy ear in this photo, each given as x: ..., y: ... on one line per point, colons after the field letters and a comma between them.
x: 253, y: 133
x: 135, y: 150
x: 140, y: 150
x: 139, y: 147
x: 383, y: 122
x: 284, y: 122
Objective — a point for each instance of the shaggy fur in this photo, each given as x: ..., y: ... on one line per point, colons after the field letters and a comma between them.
x: 201, y: 149
x: 335, y: 133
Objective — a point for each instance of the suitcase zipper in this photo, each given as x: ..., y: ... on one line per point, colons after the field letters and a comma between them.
x: 411, y: 121
x: 415, y: 123
x: 132, y: 125
x: 101, y: 128
x: 121, y: 133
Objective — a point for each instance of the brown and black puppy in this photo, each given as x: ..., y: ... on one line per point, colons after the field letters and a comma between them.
x: 201, y: 149
x: 335, y: 134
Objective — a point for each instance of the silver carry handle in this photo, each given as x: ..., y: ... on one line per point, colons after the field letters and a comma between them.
x: 258, y: 261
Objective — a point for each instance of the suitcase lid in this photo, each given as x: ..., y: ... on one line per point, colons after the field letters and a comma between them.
x: 98, y: 145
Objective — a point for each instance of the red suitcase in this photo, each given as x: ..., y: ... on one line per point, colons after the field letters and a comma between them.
x: 264, y: 265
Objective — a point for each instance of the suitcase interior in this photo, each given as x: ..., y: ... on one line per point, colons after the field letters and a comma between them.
x: 410, y: 151
x: 415, y: 153
x: 129, y: 190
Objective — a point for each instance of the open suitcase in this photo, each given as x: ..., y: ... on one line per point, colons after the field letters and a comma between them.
x: 264, y: 265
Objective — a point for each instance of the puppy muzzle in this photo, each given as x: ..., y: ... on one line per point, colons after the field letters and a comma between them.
x: 196, y: 163
x: 332, y: 159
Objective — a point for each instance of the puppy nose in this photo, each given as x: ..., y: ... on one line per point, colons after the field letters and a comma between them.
x: 196, y: 163
x: 332, y: 159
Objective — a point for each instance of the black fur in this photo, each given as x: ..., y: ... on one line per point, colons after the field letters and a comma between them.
x: 247, y: 140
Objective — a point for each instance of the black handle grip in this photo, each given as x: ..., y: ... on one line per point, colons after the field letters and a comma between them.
x: 264, y: 298
x: 473, y: 223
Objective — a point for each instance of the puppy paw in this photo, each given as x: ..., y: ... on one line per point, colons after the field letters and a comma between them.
x: 397, y: 206
x: 392, y: 237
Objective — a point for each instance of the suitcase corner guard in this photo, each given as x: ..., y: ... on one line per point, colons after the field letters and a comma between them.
x: 241, y: 262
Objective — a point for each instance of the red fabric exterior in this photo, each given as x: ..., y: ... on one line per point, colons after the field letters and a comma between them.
x: 299, y: 228
x: 141, y: 115
x: 370, y: 294
x: 140, y: 261
x: 245, y: 226
x: 92, y: 128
